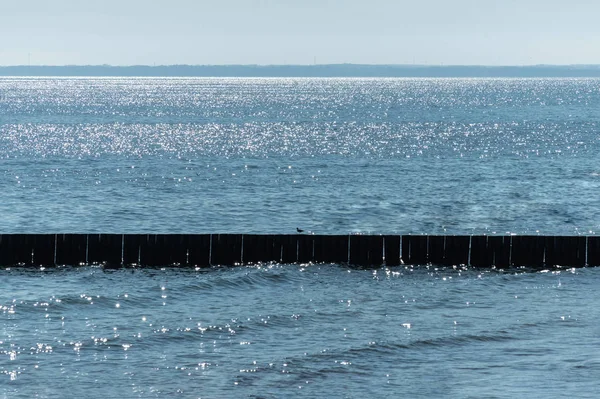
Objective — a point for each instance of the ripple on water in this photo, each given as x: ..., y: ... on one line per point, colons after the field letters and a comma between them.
x: 286, y: 326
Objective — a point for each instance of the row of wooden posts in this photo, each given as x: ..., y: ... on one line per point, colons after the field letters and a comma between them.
x: 204, y: 250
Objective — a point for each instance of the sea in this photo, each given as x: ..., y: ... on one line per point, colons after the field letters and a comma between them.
x: 496, y: 156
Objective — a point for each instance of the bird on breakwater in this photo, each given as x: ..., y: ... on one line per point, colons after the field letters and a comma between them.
x: 299, y: 230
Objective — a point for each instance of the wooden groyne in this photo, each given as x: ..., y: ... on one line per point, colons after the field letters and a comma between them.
x: 204, y: 250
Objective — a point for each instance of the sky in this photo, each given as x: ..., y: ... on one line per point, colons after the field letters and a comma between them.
x: 266, y: 32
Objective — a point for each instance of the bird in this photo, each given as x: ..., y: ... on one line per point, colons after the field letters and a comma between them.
x: 299, y: 230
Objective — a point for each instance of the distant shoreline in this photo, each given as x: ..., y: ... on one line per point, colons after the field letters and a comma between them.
x: 324, y: 70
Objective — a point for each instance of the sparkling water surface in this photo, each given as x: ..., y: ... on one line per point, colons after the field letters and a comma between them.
x: 332, y: 156
x: 299, y: 330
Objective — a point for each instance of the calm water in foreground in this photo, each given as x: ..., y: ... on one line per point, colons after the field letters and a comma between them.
x: 332, y: 156
x: 293, y: 330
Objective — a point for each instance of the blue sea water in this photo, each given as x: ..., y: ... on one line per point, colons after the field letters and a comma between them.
x: 299, y: 331
x: 332, y: 156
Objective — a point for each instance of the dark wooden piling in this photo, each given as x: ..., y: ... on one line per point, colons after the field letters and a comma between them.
x: 198, y: 249
x: 441, y: 250
x: 481, y: 252
x: 13, y: 250
x: 528, y: 251
x: 226, y: 249
x: 44, y: 249
x: 490, y: 251
x: 71, y: 249
x: 593, y: 250
x: 132, y: 249
x: 436, y: 251
x: 27, y: 249
x: 261, y: 248
x: 366, y: 250
x: 201, y: 250
x: 331, y: 249
x: 162, y: 250
x: 289, y: 248
x: 306, y: 248
x: 105, y: 249
x: 456, y: 250
x: 415, y: 249
x: 392, y: 250
x: 41, y: 247
x: 565, y: 251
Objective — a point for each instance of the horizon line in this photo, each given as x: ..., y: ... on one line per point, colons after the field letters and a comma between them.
x: 305, y: 65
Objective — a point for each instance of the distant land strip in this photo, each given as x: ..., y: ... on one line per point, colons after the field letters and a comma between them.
x: 319, y: 70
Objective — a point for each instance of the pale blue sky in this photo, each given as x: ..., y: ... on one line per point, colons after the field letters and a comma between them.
x: 125, y: 32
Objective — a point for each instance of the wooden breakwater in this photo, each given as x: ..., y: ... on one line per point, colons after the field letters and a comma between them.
x: 204, y: 250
